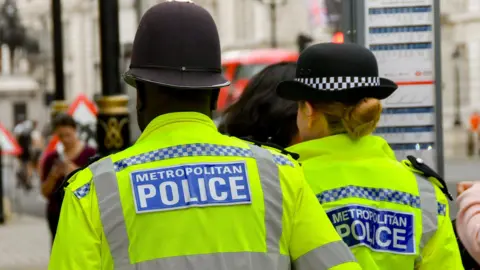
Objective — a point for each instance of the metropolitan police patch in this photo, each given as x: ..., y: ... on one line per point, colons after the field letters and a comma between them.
x: 380, y: 230
x: 190, y: 185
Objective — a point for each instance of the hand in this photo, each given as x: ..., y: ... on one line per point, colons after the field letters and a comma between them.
x: 70, y: 167
x: 57, y: 171
x: 462, y: 186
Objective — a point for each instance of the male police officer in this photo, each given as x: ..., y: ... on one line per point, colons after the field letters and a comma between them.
x: 185, y: 196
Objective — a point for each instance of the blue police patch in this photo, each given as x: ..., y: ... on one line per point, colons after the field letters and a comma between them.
x: 383, y: 231
x: 190, y: 185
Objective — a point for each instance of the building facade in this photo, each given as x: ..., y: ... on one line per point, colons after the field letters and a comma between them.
x: 460, y: 59
x: 242, y: 24
x: 81, y: 47
x: 245, y: 24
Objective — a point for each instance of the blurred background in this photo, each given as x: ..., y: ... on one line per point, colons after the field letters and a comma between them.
x: 51, y: 61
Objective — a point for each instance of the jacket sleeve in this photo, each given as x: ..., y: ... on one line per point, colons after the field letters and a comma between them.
x: 77, y: 243
x: 315, y: 244
x: 442, y: 251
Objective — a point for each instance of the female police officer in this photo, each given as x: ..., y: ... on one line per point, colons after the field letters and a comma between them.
x: 391, y: 218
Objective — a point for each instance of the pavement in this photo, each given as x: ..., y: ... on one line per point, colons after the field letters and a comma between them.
x: 25, y: 238
x: 24, y: 244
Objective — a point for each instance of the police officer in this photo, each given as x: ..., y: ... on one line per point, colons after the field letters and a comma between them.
x: 185, y: 196
x: 390, y: 217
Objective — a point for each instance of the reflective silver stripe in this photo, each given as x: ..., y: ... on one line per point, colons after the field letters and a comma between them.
x: 272, y: 196
x: 428, y: 204
x: 106, y: 188
x: 220, y: 261
x: 325, y: 257
x: 111, y: 214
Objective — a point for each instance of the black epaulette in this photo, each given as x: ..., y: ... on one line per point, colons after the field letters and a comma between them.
x: 65, y: 182
x: 272, y: 145
x: 419, y: 165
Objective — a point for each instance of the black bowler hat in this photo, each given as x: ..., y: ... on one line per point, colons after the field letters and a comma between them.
x: 336, y: 72
x: 177, y: 45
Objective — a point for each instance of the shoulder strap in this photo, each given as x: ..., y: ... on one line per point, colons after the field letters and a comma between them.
x: 427, y: 172
x: 65, y: 181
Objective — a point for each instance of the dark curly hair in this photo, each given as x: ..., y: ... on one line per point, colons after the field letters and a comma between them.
x: 63, y: 120
x: 259, y: 114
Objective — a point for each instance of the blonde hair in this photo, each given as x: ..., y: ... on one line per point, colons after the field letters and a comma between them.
x: 357, y: 120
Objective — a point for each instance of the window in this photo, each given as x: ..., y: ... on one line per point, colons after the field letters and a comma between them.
x: 248, y: 71
x: 19, y: 112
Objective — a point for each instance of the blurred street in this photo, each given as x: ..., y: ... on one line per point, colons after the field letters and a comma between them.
x: 24, y: 244
x: 25, y: 238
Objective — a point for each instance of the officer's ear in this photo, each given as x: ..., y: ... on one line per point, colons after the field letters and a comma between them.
x: 214, y: 99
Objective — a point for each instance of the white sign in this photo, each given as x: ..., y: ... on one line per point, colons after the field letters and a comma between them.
x: 401, y: 35
x: 8, y: 143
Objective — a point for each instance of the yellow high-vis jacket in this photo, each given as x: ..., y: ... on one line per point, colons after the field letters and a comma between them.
x: 391, y: 217
x: 186, y: 197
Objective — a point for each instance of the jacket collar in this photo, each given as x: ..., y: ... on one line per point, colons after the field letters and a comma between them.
x: 169, y: 119
x: 342, y: 146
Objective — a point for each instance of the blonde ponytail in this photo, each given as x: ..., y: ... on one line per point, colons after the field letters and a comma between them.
x: 362, y: 119
x: 357, y: 120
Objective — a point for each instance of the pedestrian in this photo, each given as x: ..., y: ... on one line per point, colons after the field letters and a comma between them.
x: 259, y: 114
x: 185, y: 196
x: 390, y: 217
x: 24, y: 131
x: 473, y: 139
x: 37, y: 147
x: 59, y: 163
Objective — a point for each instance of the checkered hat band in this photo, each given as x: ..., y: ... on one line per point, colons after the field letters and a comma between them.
x: 339, y: 83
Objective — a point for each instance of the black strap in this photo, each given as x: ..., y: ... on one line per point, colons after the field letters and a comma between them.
x: 65, y: 183
x: 429, y: 172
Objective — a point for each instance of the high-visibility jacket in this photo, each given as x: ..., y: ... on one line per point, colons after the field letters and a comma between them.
x: 474, y: 122
x: 186, y: 197
x: 390, y: 217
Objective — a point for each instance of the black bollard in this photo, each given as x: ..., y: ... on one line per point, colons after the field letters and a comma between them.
x: 59, y: 105
x: 113, y: 129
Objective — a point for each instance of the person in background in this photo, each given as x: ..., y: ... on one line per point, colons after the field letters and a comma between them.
x: 390, y: 217
x: 259, y: 114
x: 37, y: 147
x: 23, y: 132
x: 468, y: 223
x: 58, y: 164
x: 474, y: 121
x: 473, y: 142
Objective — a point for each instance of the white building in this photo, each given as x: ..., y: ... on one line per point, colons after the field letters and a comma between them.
x: 80, y: 47
x: 247, y: 23
x: 242, y: 24
x: 460, y: 31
